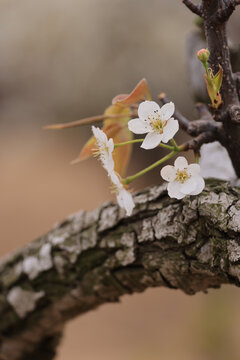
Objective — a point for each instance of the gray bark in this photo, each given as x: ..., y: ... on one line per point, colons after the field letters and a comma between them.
x: 93, y: 258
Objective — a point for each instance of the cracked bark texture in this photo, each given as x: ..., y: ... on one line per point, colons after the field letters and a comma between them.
x: 95, y: 257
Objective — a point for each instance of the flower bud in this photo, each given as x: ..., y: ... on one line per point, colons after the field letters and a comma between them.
x: 203, y: 55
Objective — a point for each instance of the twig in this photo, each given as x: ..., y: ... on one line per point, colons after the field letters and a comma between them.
x: 201, y: 126
x: 219, y: 51
x: 215, y: 31
x: 85, y: 121
x: 184, y: 122
x: 197, y: 142
x: 226, y: 11
x: 196, y: 9
x: 203, y: 111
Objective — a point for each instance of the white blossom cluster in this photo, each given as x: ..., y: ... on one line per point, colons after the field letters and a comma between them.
x: 160, y: 126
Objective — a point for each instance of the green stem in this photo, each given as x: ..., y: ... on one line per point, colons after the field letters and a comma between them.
x: 167, y: 146
x: 205, y: 64
x: 174, y: 144
x: 128, y: 142
x: 129, y: 179
x: 141, y: 140
x: 196, y: 158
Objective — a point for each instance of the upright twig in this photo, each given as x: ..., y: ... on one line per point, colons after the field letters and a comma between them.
x: 215, y: 14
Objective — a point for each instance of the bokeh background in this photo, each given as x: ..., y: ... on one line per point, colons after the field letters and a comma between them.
x: 61, y: 60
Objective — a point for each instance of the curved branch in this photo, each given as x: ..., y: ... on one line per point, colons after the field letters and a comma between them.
x: 93, y: 258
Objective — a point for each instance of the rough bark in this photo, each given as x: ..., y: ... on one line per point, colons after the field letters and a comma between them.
x: 93, y: 258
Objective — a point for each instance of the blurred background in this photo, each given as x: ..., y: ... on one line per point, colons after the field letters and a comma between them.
x: 61, y: 60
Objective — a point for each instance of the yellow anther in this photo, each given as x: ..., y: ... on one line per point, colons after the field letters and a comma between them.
x: 182, y: 176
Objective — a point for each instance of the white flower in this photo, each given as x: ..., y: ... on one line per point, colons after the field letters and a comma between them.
x: 125, y: 201
x: 157, y: 122
x: 124, y: 197
x: 183, y: 179
x: 104, y: 150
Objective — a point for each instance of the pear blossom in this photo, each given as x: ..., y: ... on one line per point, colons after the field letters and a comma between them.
x: 124, y: 197
x: 104, y: 152
x: 104, y: 149
x: 157, y: 122
x: 125, y: 201
x: 183, y: 179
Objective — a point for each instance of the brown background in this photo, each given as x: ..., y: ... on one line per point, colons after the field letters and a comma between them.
x: 61, y: 60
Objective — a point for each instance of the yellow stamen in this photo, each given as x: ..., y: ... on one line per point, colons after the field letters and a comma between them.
x: 182, y: 176
x: 157, y: 123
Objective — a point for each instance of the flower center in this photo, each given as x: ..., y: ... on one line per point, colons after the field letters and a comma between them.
x: 116, y: 188
x: 156, y: 122
x: 182, y: 176
x: 100, y: 150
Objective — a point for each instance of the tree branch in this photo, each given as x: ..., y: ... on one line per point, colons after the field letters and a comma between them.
x: 94, y: 258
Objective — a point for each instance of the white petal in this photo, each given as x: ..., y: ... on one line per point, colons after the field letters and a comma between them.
x: 200, y: 185
x: 94, y: 130
x: 193, y: 169
x: 99, y: 134
x: 146, y: 108
x: 170, y: 130
x: 168, y: 173
x: 108, y: 164
x: 138, y: 126
x: 110, y: 145
x: 151, y: 140
x: 125, y: 201
x: 181, y: 163
x: 115, y: 179
x: 174, y: 190
x: 167, y: 111
x: 188, y: 186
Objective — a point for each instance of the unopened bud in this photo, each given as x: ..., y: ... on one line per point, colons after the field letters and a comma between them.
x: 203, y: 55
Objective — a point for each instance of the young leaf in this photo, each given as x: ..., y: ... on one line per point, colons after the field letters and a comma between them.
x: 217, y: 79
x: 140, y: 92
